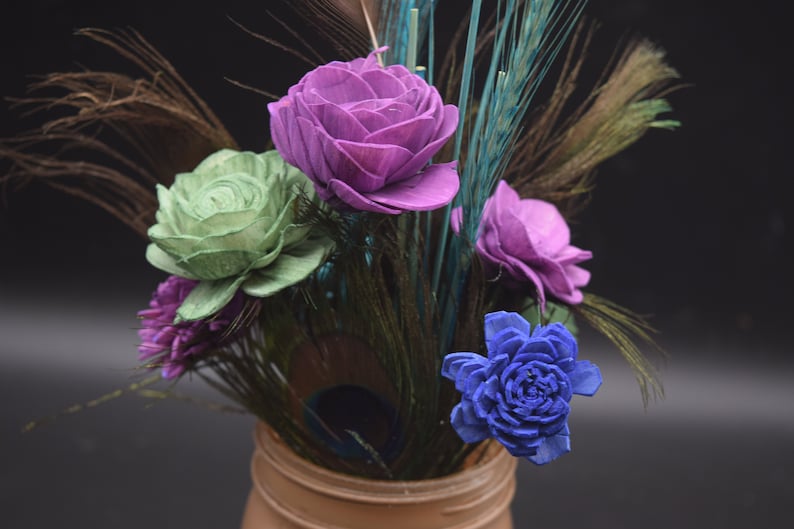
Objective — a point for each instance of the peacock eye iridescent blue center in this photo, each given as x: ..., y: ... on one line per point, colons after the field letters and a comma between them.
x: 353, y: 421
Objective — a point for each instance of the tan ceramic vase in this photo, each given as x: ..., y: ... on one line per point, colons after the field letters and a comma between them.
x: 291, y: 493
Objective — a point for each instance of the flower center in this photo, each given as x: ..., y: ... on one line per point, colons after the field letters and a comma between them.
x: 231, y: 193
x: 540, y: 384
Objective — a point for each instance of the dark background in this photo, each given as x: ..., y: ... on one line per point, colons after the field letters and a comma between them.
x: 689, y: 226
x: 692, y: 227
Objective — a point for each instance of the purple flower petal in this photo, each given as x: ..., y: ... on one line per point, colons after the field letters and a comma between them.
x: 175, y: 346
x: 364, y: 134
x: 343, y: 167
x: 373, y: 161
x: 280, y: 122
x: 447, y: 128
x: 355, y: 200
x: 336, y: 85
x: 366, y: 63
x: 555, y: 280
x: 521, y: 273
x: 301, y: 151
x: 434, y: 187
x: 455, y: 219
x: 527, y: 242
x: 544, y: 226
x: 371, y: 120
x: 579, y: 276
x: 384, y: 83
x: 572, y: 255
x: 413, y: 134
x: 338, y: 122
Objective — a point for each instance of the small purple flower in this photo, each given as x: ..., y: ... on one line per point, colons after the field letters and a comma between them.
x: 527, y: 241
x: 171, y: 345
x: 364, y: 135
x: 519, y: 394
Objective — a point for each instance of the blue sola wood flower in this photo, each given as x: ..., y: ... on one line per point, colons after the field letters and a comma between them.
x: 520, y: 393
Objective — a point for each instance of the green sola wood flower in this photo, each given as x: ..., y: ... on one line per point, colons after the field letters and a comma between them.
x: 231, y: 224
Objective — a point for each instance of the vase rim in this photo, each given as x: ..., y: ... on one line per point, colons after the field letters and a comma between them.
x: 494, y: 463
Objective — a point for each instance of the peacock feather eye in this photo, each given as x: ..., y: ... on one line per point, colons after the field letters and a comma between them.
x: 347, y: 404
x: 353, y: 421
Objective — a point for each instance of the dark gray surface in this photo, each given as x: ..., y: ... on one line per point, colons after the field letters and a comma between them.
x: 717, y: 452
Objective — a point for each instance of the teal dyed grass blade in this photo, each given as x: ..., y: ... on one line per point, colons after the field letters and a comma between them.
x: 463, y: 102
x: 527, y: 37
x: 394, y: 23
x: 527, y: 41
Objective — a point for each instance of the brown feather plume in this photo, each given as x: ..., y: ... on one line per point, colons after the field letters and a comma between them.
x: 97, y: 115
x: 339, y: 23
x: 556, y: 159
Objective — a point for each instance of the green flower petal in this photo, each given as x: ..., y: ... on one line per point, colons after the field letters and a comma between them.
x: 212, y: 265
x: 161, y: 260
x: 207, y: 298
x: 289, y: 269
x: 233, y: 214
x: 259, y: 237
x: 229, y: 193
x: 215, y: 160
x: 165, y: 199
x: 295, y: 233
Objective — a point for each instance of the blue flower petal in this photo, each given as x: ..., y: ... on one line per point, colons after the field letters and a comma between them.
x: 553, y: 428
x: 585, y: 378
x: 551, y: 448
x: 498, y: 363
x: 504, y: 417
x: 468, y: 413
x: 506, y: 343
x: 517, y: 446
x: 454, y: 361
x: 508, y: 373
x: 469, y: 433
x: 491, y: 387
x: 520, y: 394
x: 541, y: 348
x: 527, y: 431
x: 563, y: 341
x: 557, y: 410
x: 512, y: 444
x: 482, y: 404
x: 529, y: 352
x: 470, y: 378
x: 497, y: 321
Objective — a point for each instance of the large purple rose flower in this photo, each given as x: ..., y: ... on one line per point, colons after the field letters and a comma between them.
x: 364, y: 135
x: 528, y: 241
x: 519, y: 394
x: 173, y: 346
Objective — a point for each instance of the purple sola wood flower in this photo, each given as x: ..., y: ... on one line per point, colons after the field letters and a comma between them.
x: 173, y: 346
x: 364, y: 135
x: 527, y: 242
x: 520, y: 393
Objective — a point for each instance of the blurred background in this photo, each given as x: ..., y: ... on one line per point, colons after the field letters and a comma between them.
x: 692, y: 227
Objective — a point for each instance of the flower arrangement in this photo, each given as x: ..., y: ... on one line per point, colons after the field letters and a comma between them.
x: 393, y: 282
